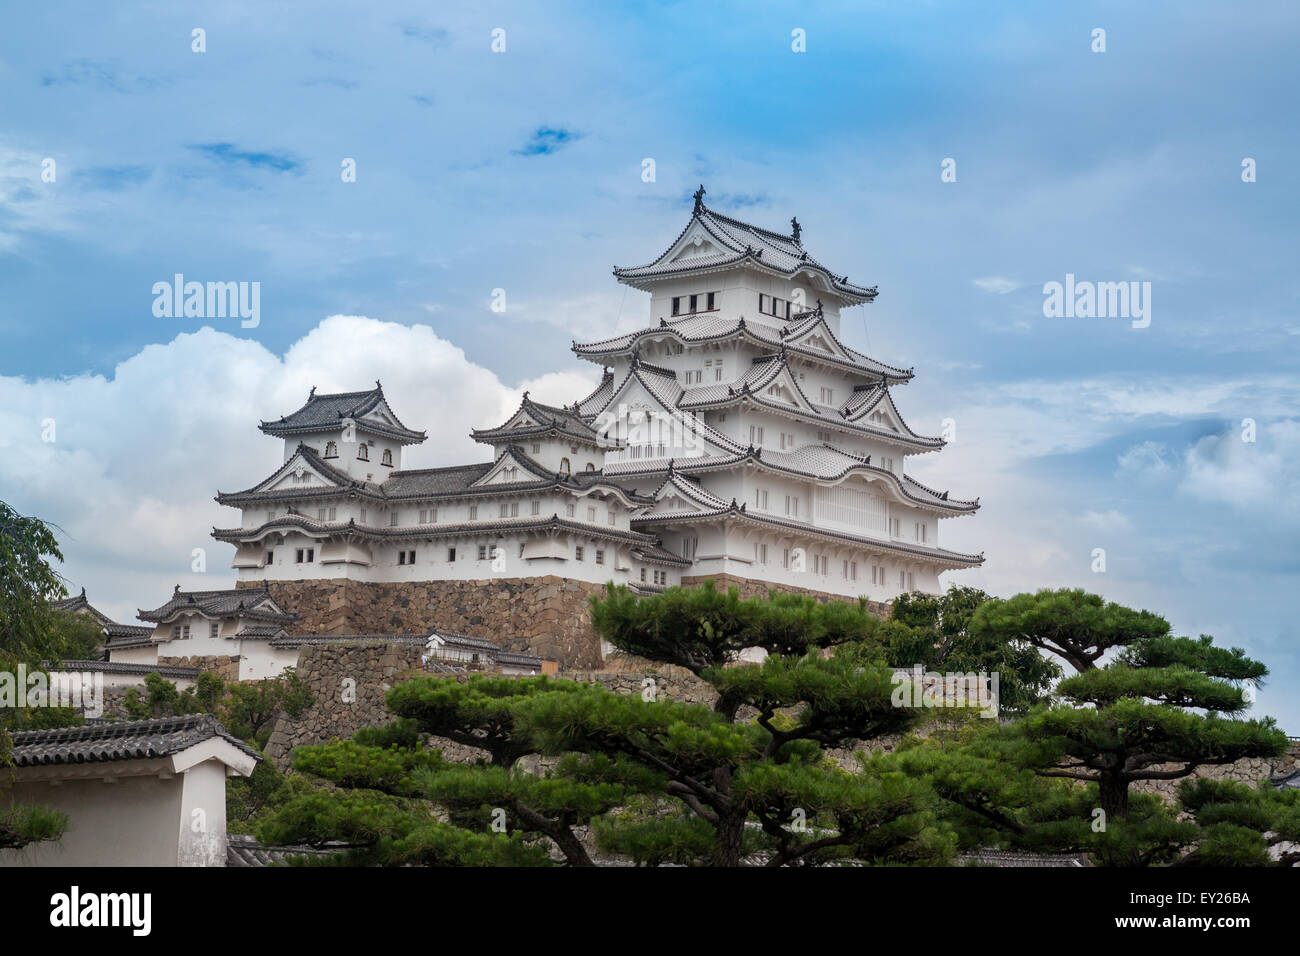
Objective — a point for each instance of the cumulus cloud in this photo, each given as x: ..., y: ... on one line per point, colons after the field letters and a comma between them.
x: 136, y: 458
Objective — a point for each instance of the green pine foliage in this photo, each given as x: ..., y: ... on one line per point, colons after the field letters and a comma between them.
x: 573, y: 774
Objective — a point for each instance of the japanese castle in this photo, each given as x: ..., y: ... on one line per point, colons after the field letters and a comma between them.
x: 736, y: 437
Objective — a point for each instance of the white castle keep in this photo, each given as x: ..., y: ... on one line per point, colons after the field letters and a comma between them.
x: 736, y: 436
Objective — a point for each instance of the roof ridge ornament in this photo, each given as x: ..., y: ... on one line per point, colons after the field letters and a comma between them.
x: 819, y: 308
x: 699, y: 199
x: 795, y: 229
x: 312, y: 393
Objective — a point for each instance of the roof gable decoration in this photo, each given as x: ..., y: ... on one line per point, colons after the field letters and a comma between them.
x: 645, y: 426
x: 298, y: 472
x: 677, y: 495
x: 513, y: 466
x: 881, y: 412
x: 695, y: 243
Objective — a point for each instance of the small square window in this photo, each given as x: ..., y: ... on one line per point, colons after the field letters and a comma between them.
x: 600, y: 556
x: 451, y: 554
x: 577, y: 553
x: 213, y: 629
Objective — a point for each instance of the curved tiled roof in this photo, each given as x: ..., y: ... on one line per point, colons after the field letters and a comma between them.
x: 79, y: 605
x: 742, y: 243
x: 704, y: 329
x: 123, y: 667
x: 329, y: 411
x: 343, y: 482
x: 714, y: 507
x: 128, y: 635
x: 411, y: 484
x: 233, y: 602
x: 462, y: 529
x: 130, y: 740
x: 547, y: 419
x: 816, y: 462
x: 766, y: 370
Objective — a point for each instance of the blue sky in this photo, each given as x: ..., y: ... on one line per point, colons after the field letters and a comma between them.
x: 521, y: 170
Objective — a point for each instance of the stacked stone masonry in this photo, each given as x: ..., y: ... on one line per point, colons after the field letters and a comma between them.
x: 546, y: 616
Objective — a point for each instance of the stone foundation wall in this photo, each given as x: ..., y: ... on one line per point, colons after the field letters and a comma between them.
x: 348, y: 683
x: 546, y: 616
x: 1248, y: 770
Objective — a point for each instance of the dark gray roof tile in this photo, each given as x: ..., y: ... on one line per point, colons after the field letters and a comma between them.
x: 130, y: 740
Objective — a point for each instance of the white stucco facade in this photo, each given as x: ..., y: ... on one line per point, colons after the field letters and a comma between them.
x: 736, y: 435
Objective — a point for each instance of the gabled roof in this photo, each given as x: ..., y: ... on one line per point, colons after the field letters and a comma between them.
x: 533, y: 419
x: 730, y: 243
x: 129, y: 740
x: 261, y: 631
x: 798, y: 336
x: 255, y: 603
x: 818, y: 462
x: 599, y: 398
x: 79, y: 605
x: 369, y: 410
x: 767, y: 371
x: 338, y: 481
x: 662, y: 386
x: 469, y: 480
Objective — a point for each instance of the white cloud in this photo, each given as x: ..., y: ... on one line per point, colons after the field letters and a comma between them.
x: 1259, y: 476
x: 997, y: 285
x: 1150, y: 459
x: 137, y: 458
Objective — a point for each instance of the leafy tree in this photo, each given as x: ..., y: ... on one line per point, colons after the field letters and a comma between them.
x: 656, y: 780
x: 1242, y: 825
x: 1162, y: 707
x: 28, y: 585
x: 78, y: 637
x: 249, y: 710
x: 935, y: 632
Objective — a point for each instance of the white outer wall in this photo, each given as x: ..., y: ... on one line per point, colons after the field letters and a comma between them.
x: 127, y: 821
